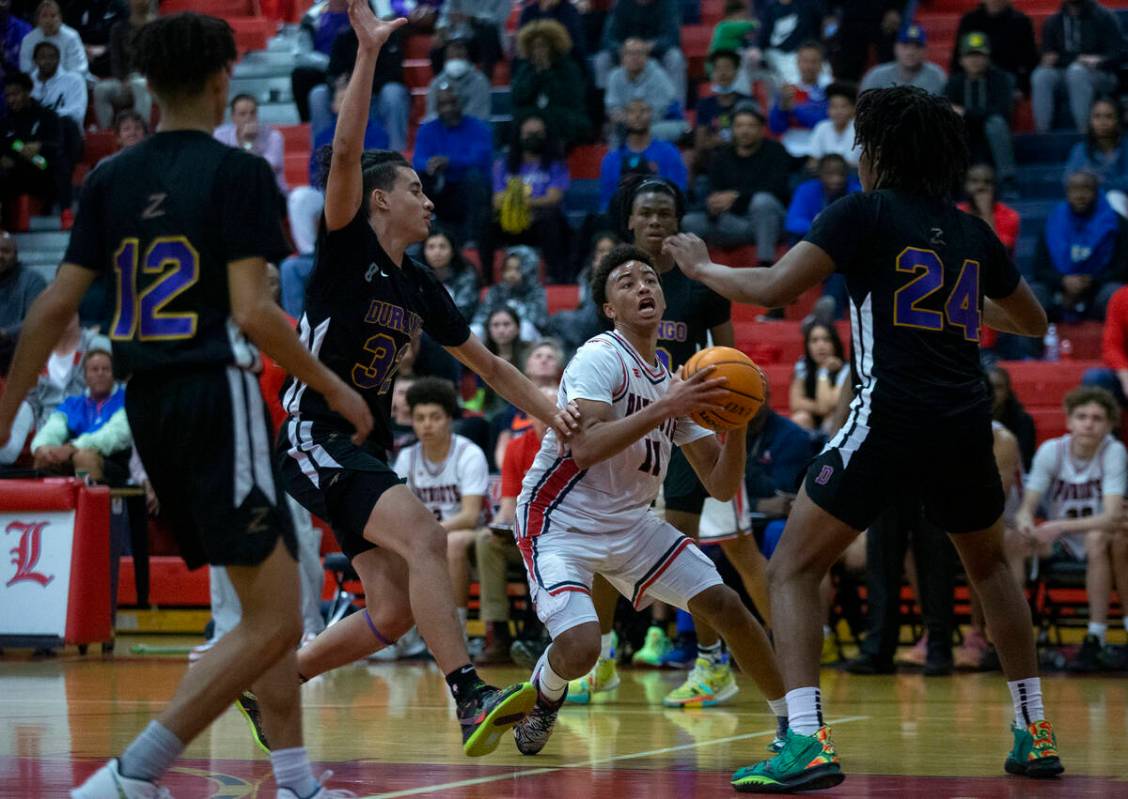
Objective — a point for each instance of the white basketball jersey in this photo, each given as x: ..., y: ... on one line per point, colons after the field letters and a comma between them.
x: 441, y: 486
x: 1073, y: 488
x: 614, y: 494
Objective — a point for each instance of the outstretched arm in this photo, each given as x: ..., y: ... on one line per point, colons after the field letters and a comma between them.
x: 805, y: 265
x: 344, y: 186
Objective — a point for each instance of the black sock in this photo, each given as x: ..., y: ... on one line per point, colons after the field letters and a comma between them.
x: 463, y: 682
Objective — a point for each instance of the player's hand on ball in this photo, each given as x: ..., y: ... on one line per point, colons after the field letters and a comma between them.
x: 349, y: 404
x: 371, y: 32
x: 690, y: 253
x: 699, y: 393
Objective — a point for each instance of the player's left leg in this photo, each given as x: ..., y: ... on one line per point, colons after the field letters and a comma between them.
x: 459, y: 544
x: 604, y: 675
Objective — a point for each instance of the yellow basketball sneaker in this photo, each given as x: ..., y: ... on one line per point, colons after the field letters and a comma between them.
x: 706, y: 685
x: 602, y: 678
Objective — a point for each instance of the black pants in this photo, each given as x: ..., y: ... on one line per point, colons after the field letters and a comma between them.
x: 886, y: 544
x: 302, y: 81
x: 549, y: 233
x: 853, y: 43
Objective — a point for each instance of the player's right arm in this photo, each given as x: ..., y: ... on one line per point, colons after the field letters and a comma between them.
x: 343, y: 187
x: 265, y: 323
x: 1019, y: 312
x: 43, y: 326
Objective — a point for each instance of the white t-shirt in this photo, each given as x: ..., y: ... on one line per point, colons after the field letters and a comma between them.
x: 838, y: 379
x: 825, y: 140
x: 441, y: 486
x: 1073, y: 488
x: 613, y: 494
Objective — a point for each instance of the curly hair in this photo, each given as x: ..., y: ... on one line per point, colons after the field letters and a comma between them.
x: 619, y: 255
x: 179, y: 53
x: 549, y: 29
x: 915, y: 141
x: 433, y: 391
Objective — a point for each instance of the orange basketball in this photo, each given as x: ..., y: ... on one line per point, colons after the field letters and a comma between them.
x: 745, y: 386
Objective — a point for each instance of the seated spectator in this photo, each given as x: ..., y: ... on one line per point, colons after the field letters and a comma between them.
x: 575, y: 326
x: 544, y: 366
x: 12, y: 33
x: 49, y: 27
x: 819, y: 377
x: 638, y: 77
x: 1008, y: 411
x: 125, y: 88
x: 812, y: 196
x: 481, y: 22
x: 449, y: 475
x: 33, y: 160
x: 19, y: 286
x: 564, y: 13
x: 461, y: 74
x: 801, y: 104
x: 737, y: 31
x: 785, y: 27
x: 639, y: 153
x: 548, y: 83
x: 835, y: 135
x: 317, y: 31
x: 864, y: 26
x: 454, y: 159
x: 458, y: 277
x: 88, y: 432
x: 244, y: 132
x: 714, y: 113
x: 322, y: 133
x: 1010, y: 36
x: 748, y: 188
x: 495, y: 552
x: 303, y: 209
x: 1077, y: 42
x: 519, y: 290
x: 1113, y: 376
x: 391, y: 101
x: 1082, y: 257
x: 655, y: 22
x: 984, y: 96
x: 1079, y: 481
x: 982, y: 201
x: 1104, y: 153
x: 93, y: 20
x: 63, y: 375
x: 528, y: 196
x: 501, y: 334
x: 909, y: 67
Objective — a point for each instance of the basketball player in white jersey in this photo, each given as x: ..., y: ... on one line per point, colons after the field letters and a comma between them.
x: 1079, y: 480
x: 587, y: 512
x: 449, y: 475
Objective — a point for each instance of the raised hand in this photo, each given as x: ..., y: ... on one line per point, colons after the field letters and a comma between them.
x: 371, y: 32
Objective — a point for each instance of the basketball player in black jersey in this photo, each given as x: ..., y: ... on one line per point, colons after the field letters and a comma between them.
x: 182, y: 226
x: 923, y: 278
x: 365, y: 302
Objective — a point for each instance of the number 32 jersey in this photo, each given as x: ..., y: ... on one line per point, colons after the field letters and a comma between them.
x: 362, y: 310
x: 161, y: 221
x: 613, y: 494
x: 917, y: 271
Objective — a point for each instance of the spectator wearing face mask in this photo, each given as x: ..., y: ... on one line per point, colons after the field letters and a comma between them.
x: 461, y: 75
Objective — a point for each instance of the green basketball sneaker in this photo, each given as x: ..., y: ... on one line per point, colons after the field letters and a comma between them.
x: 806, y: 763
x: 654, y: 648
x: 1035, y: 752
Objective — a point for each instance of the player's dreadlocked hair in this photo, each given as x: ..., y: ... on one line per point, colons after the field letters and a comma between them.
x: 630, y: 187
x: 915, y: 140
x: 619, y: 255
x: 377, y: 167
x: 179, y: 53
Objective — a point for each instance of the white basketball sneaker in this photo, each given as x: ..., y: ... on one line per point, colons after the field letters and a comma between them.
x: 108, y: 783
x: 321, y: 793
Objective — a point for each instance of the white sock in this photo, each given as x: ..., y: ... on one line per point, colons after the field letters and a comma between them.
x: 151, y: 753
x: 1099, y: 630
x: 804, y: 710
x: 714, y: 653
x: 607, y: 649
x: 292, y: 770
x: 550, y: 684
x: 1027, y: 697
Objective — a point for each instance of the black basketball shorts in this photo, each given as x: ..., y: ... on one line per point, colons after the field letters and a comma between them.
x: 949, y: 465
x: 204, y: 439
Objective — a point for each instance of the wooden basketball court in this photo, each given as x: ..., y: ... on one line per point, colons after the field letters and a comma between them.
x: 388, y: 731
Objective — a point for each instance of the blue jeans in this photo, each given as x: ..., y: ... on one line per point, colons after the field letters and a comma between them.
x: 1105, y: 378
x: 390, y: 108
x: 295, y: 272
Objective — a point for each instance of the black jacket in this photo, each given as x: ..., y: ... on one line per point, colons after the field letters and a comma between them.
x: 989, y: 95
x: 33, y: 124
x: 1013, y: 48
x: 768, y: 169
x: 1095, y: 31
x: 389, y: 64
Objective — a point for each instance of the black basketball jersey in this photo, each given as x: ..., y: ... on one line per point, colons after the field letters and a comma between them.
x: 362, y: 310
x: 917, y: 271
x: 162, y: 220
x: 692, y: 310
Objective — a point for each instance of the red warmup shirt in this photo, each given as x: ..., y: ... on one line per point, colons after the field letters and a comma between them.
x: 1114, y: 346
x: 519, y: 456
x: 271, y: 379
x: 1007, y: 222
